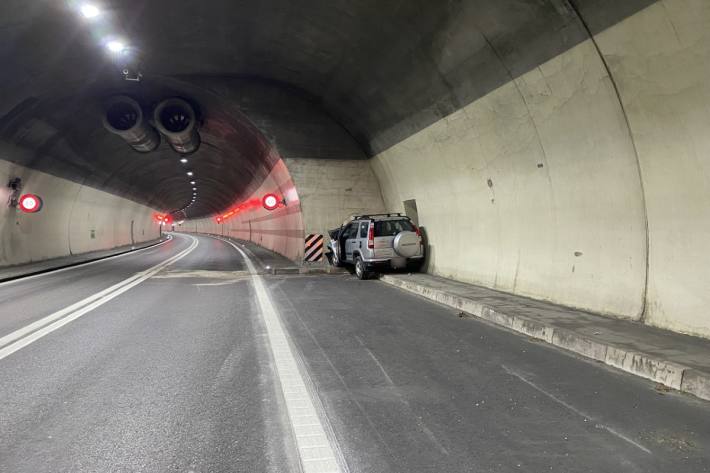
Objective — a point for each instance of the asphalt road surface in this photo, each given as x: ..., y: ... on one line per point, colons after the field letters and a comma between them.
x: 179, y: 358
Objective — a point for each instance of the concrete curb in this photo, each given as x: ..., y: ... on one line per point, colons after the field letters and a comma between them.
x: 667, y: 373
x: 306, y: 270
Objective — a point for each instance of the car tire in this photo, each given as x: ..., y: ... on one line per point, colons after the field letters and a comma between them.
x: 415, y: 266
x: 360, y: 270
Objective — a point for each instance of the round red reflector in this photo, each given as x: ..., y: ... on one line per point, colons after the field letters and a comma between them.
x: 30, y: 203
x: 270, y: 201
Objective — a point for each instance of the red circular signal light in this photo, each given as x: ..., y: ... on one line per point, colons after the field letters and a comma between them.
x: 270, y: 201
x: 219, y: 219
x: 30, y: 203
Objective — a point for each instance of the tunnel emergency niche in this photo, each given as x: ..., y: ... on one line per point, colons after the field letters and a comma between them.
x: 123, y: 116
x: 177, y: 121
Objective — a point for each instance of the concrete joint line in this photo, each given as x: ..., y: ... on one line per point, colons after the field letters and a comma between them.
x: 317, y: 450
x: 667, y: 373
x: 24, y: 336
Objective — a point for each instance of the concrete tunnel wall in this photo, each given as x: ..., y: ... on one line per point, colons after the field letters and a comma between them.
x: 583, y: 181
x: 543, y: 162
x: 541, y: 188
x: 320, y: 195
x: 75, y: 219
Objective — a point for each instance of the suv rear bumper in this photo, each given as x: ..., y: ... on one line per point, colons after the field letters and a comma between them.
x: 386, y: 263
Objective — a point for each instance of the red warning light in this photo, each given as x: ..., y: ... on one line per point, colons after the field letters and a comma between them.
x: 30, y: 203
x: 270, y: 201
x: 219, y: 219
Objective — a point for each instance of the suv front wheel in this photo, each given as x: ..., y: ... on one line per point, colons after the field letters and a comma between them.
x: 360, y: 270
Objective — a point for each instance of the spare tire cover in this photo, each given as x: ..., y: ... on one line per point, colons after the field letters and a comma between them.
x: 406, y: 244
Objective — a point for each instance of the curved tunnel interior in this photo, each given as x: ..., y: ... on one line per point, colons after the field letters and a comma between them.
x: 536, y: 126
x: 67, y: 139
x: 440, y: 57
x: 193, y: 195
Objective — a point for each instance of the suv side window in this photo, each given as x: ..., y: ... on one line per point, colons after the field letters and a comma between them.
x: 364, y: 227
x: 392, y: 227
x: 350, y: 231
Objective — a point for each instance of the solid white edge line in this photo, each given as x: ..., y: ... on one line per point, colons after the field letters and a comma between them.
x: 84, y: 265
x: 38, y: 329
x: 315, y: 447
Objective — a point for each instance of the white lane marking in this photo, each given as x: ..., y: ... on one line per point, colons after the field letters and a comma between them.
x: 315, y: 448
x: 377, y: 362
x: 22, y: 337
x: 575, y: 410
x: 84, y: 265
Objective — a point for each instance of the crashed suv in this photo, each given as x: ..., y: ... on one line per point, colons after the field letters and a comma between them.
x: 373, y: 243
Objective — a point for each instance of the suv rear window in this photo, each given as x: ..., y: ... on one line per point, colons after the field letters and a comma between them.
x: 392, y: 227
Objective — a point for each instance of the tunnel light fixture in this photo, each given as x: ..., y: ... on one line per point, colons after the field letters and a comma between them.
x: 89, y: 11
x: 192, y: 182
x: 194, y: 188
x: 183, y: 160
x: 190, y: 173
x: 270, y: 202
x: 116, y: 46
x: 30, y: 203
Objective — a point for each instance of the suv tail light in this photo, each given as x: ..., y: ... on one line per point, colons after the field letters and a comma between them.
x: 417, y: 231
x: 371, y: 236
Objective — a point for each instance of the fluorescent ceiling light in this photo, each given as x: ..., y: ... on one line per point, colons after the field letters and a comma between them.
x: 116, y: 46
x: 89, y: 11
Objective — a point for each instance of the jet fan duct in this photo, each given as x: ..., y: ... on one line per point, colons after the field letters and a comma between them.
x: 124, y: 117
x: 176, y: 119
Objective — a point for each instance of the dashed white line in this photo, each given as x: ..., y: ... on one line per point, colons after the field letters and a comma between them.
x: 575, y: 410
x: 377, y: 362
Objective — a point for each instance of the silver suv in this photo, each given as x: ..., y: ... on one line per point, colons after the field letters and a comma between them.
x: 377, y: 242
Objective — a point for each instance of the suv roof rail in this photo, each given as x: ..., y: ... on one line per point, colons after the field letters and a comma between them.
x: 360, y: 217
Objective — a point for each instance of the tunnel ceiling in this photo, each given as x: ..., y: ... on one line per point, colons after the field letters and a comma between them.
x: 316, y: 78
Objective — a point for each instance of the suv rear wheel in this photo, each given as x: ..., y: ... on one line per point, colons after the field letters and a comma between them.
x: 415, y: 266
x: 360, y: 271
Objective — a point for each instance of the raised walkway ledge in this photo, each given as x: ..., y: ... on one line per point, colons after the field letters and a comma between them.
x: 9, y: 273
x: 674, y: 360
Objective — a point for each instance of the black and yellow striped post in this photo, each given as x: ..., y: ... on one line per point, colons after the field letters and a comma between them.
x: 314, y: 248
